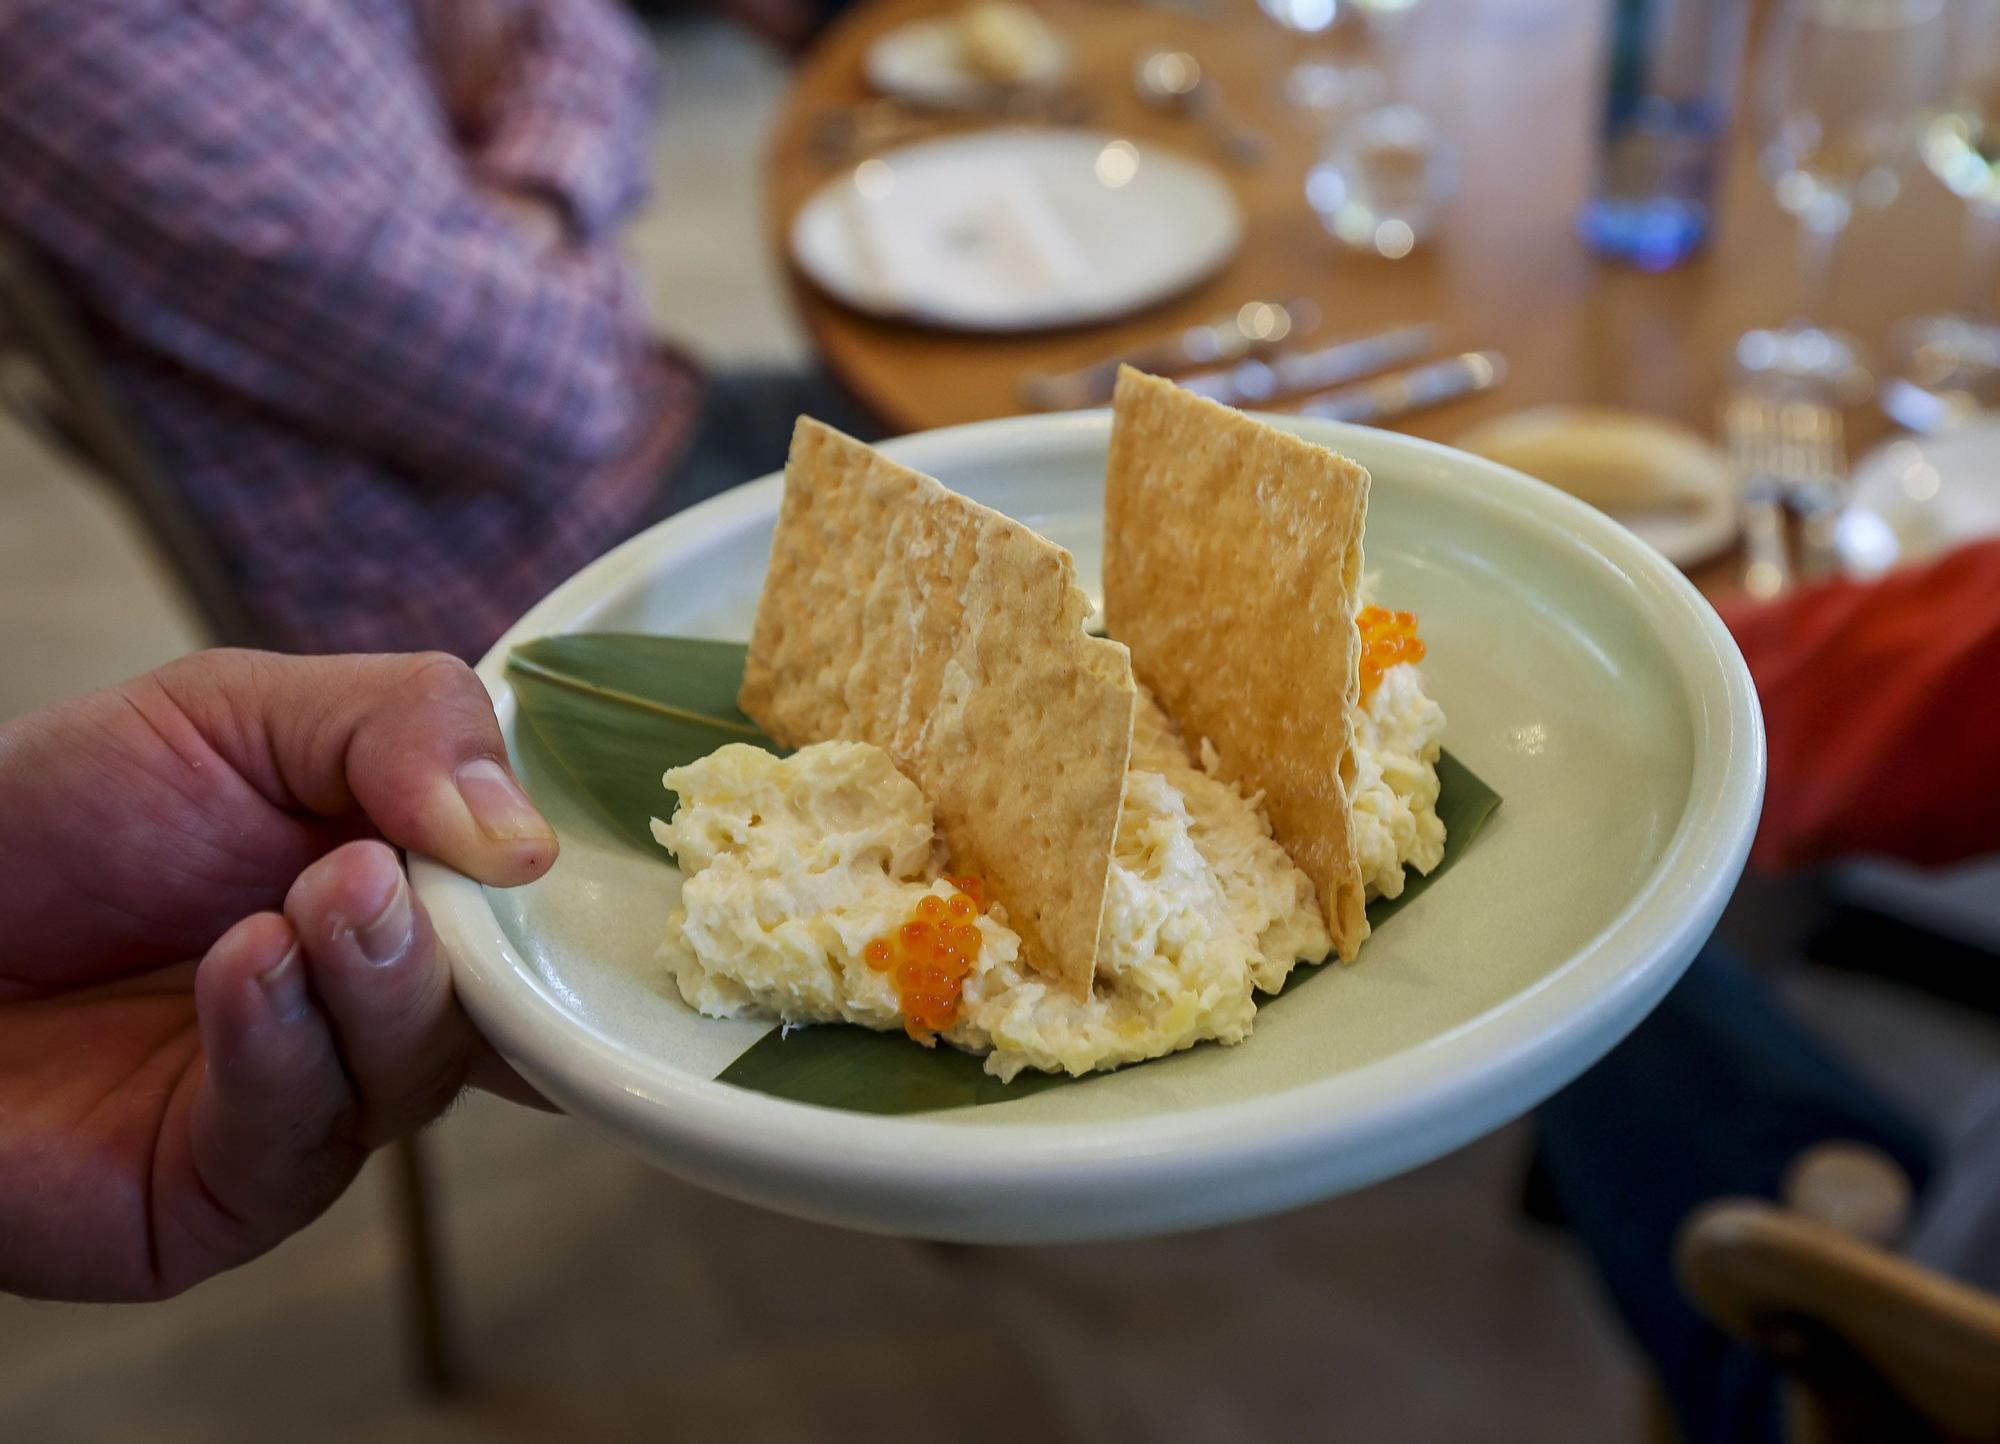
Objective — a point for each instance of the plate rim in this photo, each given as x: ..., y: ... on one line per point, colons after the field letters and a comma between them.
x: 1397, y: 1109
x: 827, y: 194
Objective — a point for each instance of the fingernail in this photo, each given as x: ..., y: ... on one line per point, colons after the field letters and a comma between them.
x: 284, y: 985
x: 385, y: 939
x: 497, y: 803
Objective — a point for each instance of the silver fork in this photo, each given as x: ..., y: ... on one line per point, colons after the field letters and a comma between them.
x: 1750, y: 421
x: 1814, y: 473
x: 1792, y: 456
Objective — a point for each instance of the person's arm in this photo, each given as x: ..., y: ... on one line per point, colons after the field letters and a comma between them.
x: 306, y: 233
x: 571, y: 115
x: 1882, y: 707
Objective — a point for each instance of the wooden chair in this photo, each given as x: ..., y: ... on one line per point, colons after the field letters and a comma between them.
x: 1875, y: 1348
x: 49, y: 382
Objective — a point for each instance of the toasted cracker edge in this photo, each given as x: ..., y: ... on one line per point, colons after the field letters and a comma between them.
x: 864, y: 546
x: 1232, y: 635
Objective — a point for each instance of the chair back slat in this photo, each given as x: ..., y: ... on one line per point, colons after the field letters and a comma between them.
x: 50, y: 381
x: 1844, y: 1314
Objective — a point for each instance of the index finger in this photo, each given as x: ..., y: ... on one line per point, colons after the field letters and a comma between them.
x: 410, y: 741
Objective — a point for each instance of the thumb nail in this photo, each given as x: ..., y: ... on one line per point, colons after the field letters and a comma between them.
x: 498, y: 804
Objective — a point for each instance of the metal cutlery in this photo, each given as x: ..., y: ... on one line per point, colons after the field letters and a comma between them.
x: 1750, y: 421
x: 1254, y: 326
x: 1172, y: 80
x: 1791, y: 453
x: 1403, y: 392
x: 1815, y: 475
x: 844, y: 133
x: 1260, y: 379
x: 1202, y: 9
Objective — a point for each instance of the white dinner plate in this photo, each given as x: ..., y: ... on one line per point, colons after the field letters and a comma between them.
x: 1016, y: 230
x: 921, y: 63
x: 1918, y: 496
x: 1691, y: 538
x: 1582, y: 677
x: 1558, y: 444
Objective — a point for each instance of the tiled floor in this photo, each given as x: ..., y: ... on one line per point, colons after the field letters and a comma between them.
x: 603, y: 1301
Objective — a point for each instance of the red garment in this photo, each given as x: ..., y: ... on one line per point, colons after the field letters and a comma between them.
x: 1882, y: 705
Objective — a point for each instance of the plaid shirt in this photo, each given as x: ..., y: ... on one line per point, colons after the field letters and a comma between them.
x: 401, y: 421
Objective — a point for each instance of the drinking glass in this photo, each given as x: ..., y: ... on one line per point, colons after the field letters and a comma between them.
x: 1949, y: 366
x: 1843, y: 85
x: 1339, y: 71
x: 1386, y: 169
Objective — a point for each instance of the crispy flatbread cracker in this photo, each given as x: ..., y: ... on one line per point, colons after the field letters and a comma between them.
x: 899, y: 613
x: 1232, y: 569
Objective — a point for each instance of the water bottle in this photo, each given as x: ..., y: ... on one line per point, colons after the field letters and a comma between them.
x: 1669, y: 78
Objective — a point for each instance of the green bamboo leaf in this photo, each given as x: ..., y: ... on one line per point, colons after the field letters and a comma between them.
x: 864, y: 1071
x: 1464, y: 804
x: 614, y: 710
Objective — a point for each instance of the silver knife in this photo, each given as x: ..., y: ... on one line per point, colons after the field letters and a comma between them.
x: 1259, y: 379
x: 1255, y: 324
x: 1399, y: 394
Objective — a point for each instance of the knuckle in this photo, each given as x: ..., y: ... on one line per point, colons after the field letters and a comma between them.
x: 441, y: 669
x: 440, y: 679
x: 415, y: 1103
x: 198, y: 674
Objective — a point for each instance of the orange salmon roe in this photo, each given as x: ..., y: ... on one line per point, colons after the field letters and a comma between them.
x: 1387, y: 638
x: 930, y: 955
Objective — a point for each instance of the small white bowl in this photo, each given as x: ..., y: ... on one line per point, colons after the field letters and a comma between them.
x: 1582, y: 676
x: 922, y: 64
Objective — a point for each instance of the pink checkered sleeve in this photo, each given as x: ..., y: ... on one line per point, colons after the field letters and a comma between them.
x: 267, y: 195
x: 575, y: 117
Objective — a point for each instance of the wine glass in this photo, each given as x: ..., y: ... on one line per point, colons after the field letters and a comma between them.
x: 1384, y: 179
x: 1843, y: 84
x: 1386, y: 169
x: 1342, y: 70
x: 1949, y: 366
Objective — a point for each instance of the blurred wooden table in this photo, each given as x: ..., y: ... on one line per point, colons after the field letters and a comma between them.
x: 1515, y: 84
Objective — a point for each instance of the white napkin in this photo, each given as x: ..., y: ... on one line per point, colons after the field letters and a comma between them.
x: 981, y: 237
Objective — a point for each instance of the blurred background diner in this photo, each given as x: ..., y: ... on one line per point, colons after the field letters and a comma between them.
x: 332, y: 327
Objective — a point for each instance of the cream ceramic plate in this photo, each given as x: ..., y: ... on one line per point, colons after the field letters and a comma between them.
x: 1015, y: 230
x: 1690, y: 540
x: 1583, y: 678
x: 922, y: 63
x: 1607, y: 454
